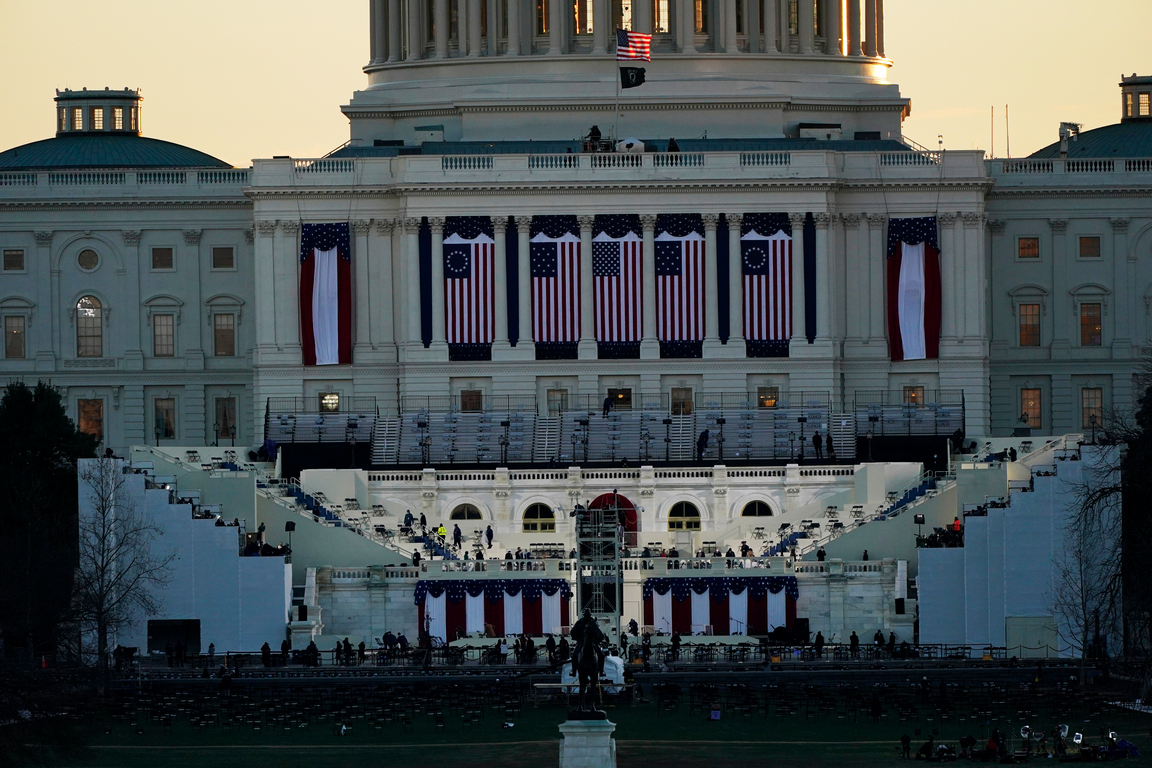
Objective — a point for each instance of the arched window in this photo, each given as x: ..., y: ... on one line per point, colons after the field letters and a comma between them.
x: 89, y: 327
x: 683, y: 517
x: 465, y: 512
x: 756, y: 509
x: 539, y: 517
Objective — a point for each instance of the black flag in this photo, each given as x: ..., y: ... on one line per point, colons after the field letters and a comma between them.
x: 630, y: 77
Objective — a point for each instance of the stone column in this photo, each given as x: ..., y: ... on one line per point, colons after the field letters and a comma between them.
x: 785, y: 27
x: 461, y: 27
x: 438, y: 336
x: 857, y: 290
x: 513, y: 28
x: 752, y: 24
x: 853, y: 28
x: 832, y: 44
x: 265, y: 286
x: 1062, y: 319
x: 806, y: 19
x: 381, y: 327
x: 649, y: 344
x: 876, y: 262
x: 711, y: 313
x: 771, y: 20
x: 394, y: 30
x: 588, y: 349
x: 601, y: 24
x: 556, y: 27
x: 415, y: 39
x: 642, y: 17
x: 1122, y: 339
x: 730, y: 42
x: 735, y: 284
x: 950, y: 286
x: 411, y: 272
x: 133, y: 343
x: 879, y: 27
x: 500, y: 275
x: 288, y: 290
x: 48, y: 348
x: 799, y: 330
x: 524, y: 283
x: 375, y: 8
x: 362, y: 341
x: 440, y: 28
x: 974, y: 295
x: 869, y: 27
x: 687, y: 26
x: 823, y: 280
x: 193, y: 345
x: 473, y: 28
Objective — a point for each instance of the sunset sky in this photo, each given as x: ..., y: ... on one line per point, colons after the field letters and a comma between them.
x: 242, y: 79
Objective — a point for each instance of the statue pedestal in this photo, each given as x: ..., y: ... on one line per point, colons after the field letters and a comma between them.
x: 587, y: 744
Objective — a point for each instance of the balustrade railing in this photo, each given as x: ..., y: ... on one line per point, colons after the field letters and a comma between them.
x: 325, y: 165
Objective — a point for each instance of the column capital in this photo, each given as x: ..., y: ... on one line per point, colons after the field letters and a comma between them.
x: 499, y: 223
x: 1119, y: 226
x: 266, y: 228
x: 648, y: 222
x: 249, y: 234
x: 734, y: 220
x: 851, y: 220
x: 585, y: 221
x: 822, y: 220
x: 877, y: 220
x: 797, y: 219
x: 524, y: 225
x: 972, y: 219
x: 384, y: 226
x: 1059, y: 226
x: 411, y: 225
x: 192, y: 236
x: 997, y: 226
x: 43, y: 239
x: 946, y: 219
x: 361, y: 226
x: 436, y: 223
x: 132, y: 237
x: 290, y: 227
x: 711, y: 220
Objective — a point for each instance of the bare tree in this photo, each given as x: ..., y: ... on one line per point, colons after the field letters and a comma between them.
x: 120, y: 570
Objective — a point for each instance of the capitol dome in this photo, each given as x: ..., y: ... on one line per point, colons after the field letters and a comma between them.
x: 1130, y: 138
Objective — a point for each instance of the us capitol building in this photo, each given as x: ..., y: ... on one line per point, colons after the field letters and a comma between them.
x: 161, y: 288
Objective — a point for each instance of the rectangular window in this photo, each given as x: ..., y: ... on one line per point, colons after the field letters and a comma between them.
x: 1127, y: 105
x: 13, y: 260
x: 164, y: 427
x: 793, y: 17
x: 223, y: 257
x: 621, y: 399
x: 1144, y: 105
x: 97, y: 118
x: 471, y: 400
x: 118, y: 118
x: 14, y: 340
x: 767, y: 397
x: 1090, y: 328
x: 163, y: 335
x: 163, y: 258
x: 662, y: 16
x: 90, y: 417
x: 1091, y: 407
x: 682, y: 401
x: 224, y: 335
x: 1028, y: 248
x: 329, y: 402
x: 133, y: 122
x: 225, y: 424
x: 77, y: 119
x: 914, y: 395
x: 62, y: 119
x: 1030, y: 407
x: 1029, y: 325
x: 1090, y: 247
x: 541, y: 17
x: 89, y: 333
x: 557, y: 401
x: 701, y: 16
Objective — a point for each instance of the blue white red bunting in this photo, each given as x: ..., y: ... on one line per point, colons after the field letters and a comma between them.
x: 720, y: 586
x: 326, y: 294
x: 914, y: 289
x: 492, y: 589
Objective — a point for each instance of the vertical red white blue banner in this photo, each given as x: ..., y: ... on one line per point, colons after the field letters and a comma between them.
x: 469, y: 281
x: 555, y: 264
x: 680, y: 275
x: 766, y: 266
x: 326, y: 294
x: 616, y: 270
x: 914, y: 290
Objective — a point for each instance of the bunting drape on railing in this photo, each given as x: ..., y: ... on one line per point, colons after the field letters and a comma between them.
x: 469, y: 287
x: 510, y: 606
x: 555, y: 263
x: 617, y: 271
x: 729, y: 605
x: 766, y: 265
x: 914, y: 291
x: 326, y: 294
x: 680, y: 276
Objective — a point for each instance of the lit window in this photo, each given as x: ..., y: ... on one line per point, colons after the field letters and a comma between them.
x: 1030, y: 407
x: 465, y: 512
x: 223, y: 257
x: 132, y: 117
x: 1128, y: 105
x: 1091, y: 407
x: 88, y: 259
x: 661, y: 16
x: 163, y: 335
x: 165, y: 422
x: 77, y: 119
x: 97, y: 118
x: 914, y: 395
x: 14, y: 339
x: 682, y: 402
x: 683, y: 517
x: 539, y: 518
x: 621, y: 399
x: 1144, y: 105
x: 62, y: 119
x: 89, y: 327
x: 756, y: 509
x: 701, y: 16
x: 1090, y: 247
x: 13, y: 260
x: 1029, y: 325
x: 90, y: 417
x: 225, y: 417
x: 471, y: 400
x: 1090, y: 329
x: 329, y: 402
x: 541, y: 17
x: 118, y: 118
x: 224, y: 335
x: 793, y: 17
x: 163, y: 258
x: 1028, y: 248
x: 767, y: 397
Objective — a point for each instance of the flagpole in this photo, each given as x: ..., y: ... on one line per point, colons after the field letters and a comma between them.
x: 616, y: 129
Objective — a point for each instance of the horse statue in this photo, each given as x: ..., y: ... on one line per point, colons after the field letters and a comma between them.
x: 587, y: 657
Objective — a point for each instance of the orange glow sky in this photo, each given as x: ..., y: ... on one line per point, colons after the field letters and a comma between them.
x: 242, y: 79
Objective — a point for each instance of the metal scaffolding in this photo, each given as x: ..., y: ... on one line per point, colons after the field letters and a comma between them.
x: 598, y: 587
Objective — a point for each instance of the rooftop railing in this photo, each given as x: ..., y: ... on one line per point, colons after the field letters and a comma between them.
x: 129, y: 179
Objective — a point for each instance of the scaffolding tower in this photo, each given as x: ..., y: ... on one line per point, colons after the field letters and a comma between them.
x: 598, y: 587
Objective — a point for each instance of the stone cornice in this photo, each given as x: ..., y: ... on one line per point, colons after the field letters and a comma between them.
x: 1081, y: 193
x: 397, y: 113
x: 156, y: 205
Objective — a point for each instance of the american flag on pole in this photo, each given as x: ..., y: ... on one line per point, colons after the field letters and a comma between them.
x: 616, y: 265
x: 633, y: 46
x: 469, y: 281
x: 766, y: 264
x: 680, y: 278
x: 555, y: 287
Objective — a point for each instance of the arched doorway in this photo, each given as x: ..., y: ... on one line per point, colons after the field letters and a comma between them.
x: 627, y: 511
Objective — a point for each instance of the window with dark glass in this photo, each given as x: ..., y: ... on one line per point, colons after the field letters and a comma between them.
x: 223, y: 257
x: 682, y: 402
x: 465, y: 512
x: 225, y: 424
x: 683, y: 517
x: 539, y: 518
x: 89, y: 327
x: 1090, y: 247
x: 621, y: 399
x: 163, y: 258
x: 13, y: 260
x: 164, y: 426
x: 756, y: 509
x: 1029, y: 325
x: 1091, y: 407
x: 163, y: 335
x: 224, y: 335
x: 1091, y: 334
x: 14, y: 340
x: 471, y: 400
x: 767, y: 397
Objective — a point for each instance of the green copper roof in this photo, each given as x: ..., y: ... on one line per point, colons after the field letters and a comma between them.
x: 1128, y: 139
x: 104, y: 151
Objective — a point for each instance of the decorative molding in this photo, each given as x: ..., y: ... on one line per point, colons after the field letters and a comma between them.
x: 384, y: 226
x: 877, y: 221
x: 822, y: 220
x: 96, y: 362
x: 1119, y: 226
x: 711, y: 220
x: 43, y: 239
x: 972, y: 219
x: 266, y: 228
x: 997, y: 226
x: 585, y: 222
x: 1029, y: 294
x: 797, y: 219
x: 193, y: 236
x: 131, y: 237
x: 524, y: 225
x: 411, y: 225
x: 947, y: 219
x: 1058, y: 226
x: 437, y: 224
x: 648, y: 222
x: 499, y: 223
x: 735, y: 220
x: 249, y: 235
x: 851, y: 220
x: 290, y: 227
x: 361, y: 227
